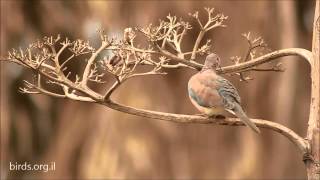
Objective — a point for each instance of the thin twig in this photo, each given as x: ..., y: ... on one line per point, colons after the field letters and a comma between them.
x: 94, y: 55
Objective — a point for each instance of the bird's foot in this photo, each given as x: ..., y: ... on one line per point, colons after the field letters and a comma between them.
x: 219, y: 116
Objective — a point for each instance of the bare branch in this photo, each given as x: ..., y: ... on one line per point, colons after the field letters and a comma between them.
x: 94, y: 55
x: 253, y: 44
x: 179, y: 60
x: 158, y: 55
x: 66, y: 61
x: 179, y: 118
x: 107, y: 95
x: 213, y: 22
x: 146, y: 74
x: 95, y: 76
x: 58, y: 69
x: 312, y: 159
x: 305, y: 54
x: 38, y: 89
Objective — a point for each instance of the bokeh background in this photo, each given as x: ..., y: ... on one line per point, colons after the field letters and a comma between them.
x: 88, y: 141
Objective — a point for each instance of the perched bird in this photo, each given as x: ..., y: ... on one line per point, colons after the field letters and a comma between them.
x: 214, y: 95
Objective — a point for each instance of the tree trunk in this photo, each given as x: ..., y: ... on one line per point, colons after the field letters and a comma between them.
x: 312, y: 160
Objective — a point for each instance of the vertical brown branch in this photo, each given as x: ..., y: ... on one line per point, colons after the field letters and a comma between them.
x: 313, y: 133
x: 94, y: 55
x: 196, y: 45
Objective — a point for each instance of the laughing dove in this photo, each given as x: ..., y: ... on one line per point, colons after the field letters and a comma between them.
x: 214, y: 95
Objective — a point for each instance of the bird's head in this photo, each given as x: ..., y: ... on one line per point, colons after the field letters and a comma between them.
x: 212, y: 62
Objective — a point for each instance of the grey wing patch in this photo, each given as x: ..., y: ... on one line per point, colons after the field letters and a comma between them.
x: 196, y: 98
x: 229, y: 93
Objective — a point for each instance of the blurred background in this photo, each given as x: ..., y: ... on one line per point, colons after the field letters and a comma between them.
x: 88, y: 141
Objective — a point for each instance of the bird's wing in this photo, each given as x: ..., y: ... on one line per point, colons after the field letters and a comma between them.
x: 228, y: 93
x: 202, y: 89
x: 231, y: 101
x: 219, y: 92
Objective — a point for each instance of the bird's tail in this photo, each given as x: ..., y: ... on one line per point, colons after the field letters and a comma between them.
x: 242, y: 115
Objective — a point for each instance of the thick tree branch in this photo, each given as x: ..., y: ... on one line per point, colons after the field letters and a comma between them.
x: 94, y: 97
x: 312, y: 160
x: 298, y: 141
x: 305, y: 54
x: 179, y: 118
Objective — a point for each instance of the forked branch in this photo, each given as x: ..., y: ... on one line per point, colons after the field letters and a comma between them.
x: 164, y: 51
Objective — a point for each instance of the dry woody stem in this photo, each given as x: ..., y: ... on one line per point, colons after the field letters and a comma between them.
x: 118, y: 60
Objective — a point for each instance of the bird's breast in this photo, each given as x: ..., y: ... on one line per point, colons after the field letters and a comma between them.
x: 203, y: 92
